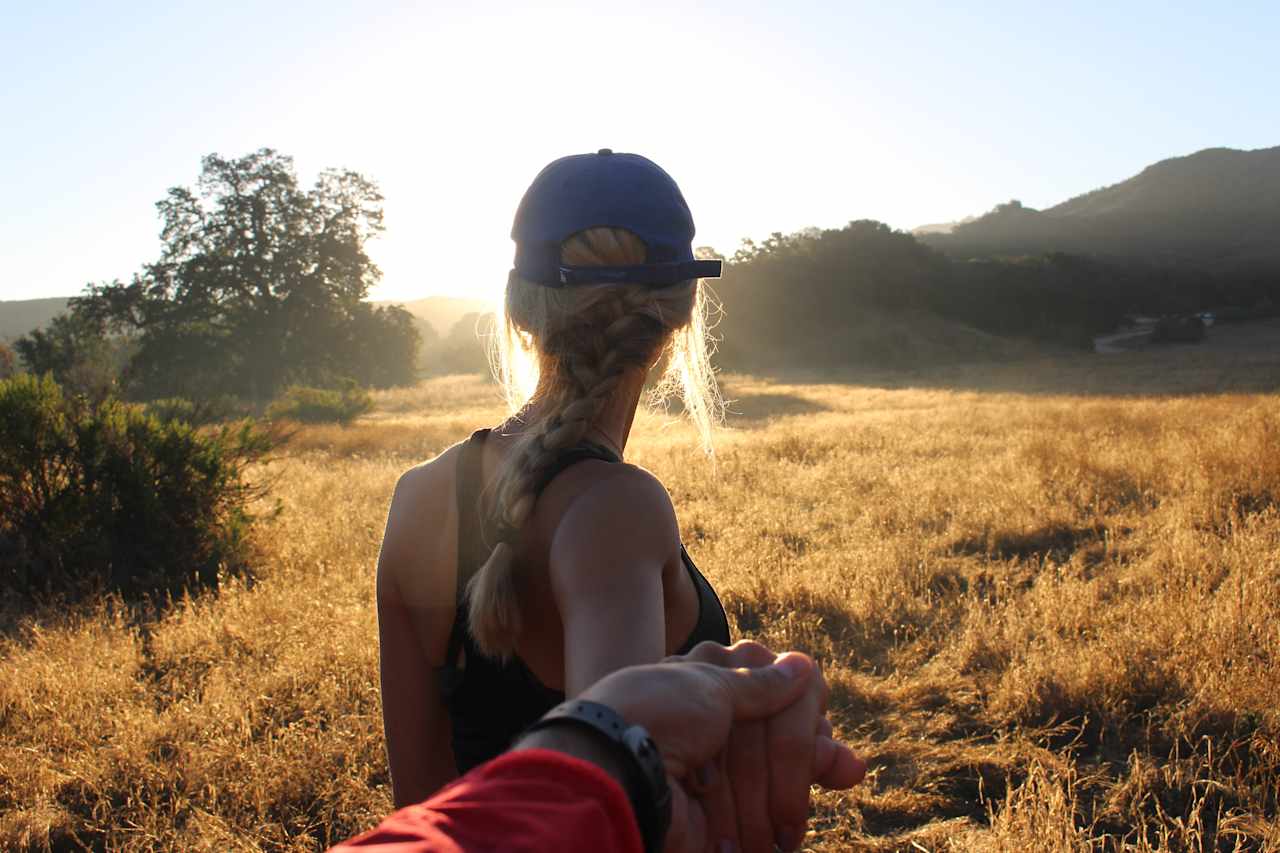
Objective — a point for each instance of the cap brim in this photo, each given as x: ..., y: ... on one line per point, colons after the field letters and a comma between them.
x: 654, y: 275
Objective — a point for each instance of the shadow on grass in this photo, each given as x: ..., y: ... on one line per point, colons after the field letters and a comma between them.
x: 756, y: 409
x: 1055, y: 541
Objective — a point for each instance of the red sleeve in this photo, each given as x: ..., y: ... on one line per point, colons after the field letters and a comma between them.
x: 532, y: 800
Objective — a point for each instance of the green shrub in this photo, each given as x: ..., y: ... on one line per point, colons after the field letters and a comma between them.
x: 320, y: 405
x: 106, y: 496
x: 195, y: 412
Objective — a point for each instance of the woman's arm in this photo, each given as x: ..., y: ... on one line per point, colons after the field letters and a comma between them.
x: 416, y: 583
x: 607, y: 559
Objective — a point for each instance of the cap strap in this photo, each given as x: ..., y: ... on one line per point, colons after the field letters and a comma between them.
x: 658, y: 275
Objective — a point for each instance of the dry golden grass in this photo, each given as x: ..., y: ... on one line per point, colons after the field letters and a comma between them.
x: 1050, y: 616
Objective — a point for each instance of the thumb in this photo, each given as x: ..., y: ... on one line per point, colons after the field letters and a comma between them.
x: 764, y: 691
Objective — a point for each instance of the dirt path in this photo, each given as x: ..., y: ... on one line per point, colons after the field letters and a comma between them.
x: 1255, y: 337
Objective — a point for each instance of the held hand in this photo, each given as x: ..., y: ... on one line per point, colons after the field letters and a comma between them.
x: 737, y: 728
x: 770, y: 763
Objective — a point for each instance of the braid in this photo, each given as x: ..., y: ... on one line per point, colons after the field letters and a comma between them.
x: 585, y: 351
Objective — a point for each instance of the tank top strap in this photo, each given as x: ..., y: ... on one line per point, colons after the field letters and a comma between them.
x: 572, y: 456
x: 468, y: 487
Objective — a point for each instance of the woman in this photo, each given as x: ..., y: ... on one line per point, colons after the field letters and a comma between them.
x: 529, y: 561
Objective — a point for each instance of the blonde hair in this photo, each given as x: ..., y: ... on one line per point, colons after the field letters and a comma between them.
x: 569, y: 347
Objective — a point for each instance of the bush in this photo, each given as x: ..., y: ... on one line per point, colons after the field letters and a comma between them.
x: 320, y: 405
x: 106, y: 496
x: 195, y: 412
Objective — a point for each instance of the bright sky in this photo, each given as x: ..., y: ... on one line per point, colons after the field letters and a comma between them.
x: 771, y: 116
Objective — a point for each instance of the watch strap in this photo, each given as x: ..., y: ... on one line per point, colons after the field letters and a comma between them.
x: 648, y: 789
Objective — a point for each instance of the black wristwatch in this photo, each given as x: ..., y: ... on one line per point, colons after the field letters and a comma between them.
x: 646, y: 781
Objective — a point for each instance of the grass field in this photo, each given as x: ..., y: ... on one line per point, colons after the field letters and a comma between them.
x: 1047, y: 596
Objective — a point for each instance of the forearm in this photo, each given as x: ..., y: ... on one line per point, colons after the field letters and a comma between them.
x: 525, y: 801
x: 579, y: 743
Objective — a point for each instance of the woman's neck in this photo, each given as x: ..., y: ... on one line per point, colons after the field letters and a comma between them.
x: 614, y: 420
x: 618, y: 413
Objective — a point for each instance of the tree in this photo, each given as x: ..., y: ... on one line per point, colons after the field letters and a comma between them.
x: 8, y: 361
x: 76, y: 350
x: 260, y: 284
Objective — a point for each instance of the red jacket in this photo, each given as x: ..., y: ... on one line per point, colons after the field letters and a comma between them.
x: 532, y: 800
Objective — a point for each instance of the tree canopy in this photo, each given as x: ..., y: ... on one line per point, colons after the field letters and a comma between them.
x: 261, y: 283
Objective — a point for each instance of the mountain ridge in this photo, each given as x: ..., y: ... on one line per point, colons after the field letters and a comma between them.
x: 1218, y: 208
x: 20, y: 316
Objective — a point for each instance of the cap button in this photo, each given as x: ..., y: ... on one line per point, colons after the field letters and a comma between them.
x: 605, y: 151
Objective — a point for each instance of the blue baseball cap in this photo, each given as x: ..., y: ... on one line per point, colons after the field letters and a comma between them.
x: 611, y: 190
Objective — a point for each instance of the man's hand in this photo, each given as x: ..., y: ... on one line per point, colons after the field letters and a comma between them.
x: 743, y: 735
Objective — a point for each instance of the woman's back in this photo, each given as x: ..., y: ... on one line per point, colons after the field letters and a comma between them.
x: 491, y: 700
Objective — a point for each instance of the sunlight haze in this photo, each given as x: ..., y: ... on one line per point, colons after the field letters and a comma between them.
x: 771, y: 117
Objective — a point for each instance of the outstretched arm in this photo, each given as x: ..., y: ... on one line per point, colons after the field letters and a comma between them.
x: 607, y: 560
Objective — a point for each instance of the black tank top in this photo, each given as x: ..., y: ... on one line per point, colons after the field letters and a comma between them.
x: 490, y: 702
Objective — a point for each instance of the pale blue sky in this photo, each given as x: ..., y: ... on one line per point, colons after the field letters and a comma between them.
x: 771, y: 116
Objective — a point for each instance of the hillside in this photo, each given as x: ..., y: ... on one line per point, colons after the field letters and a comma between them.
x: 941, y: 227
x: 19, y: 316
x: 1216, y: 209
x: 442, y: 312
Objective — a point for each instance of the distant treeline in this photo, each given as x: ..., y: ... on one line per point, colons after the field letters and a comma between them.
x: 462, y: 349
x: 811, y: 298
x: 867, y: 294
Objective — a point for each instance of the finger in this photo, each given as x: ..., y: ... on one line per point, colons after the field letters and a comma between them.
x: 750, y: 654
x: 824, y: 728
x: 755, y: 694
x: 705, y: 652
x: 835, y: 766
x: 747, y: 762
x: 791, y: 735
x: 719, y: 811
x: 688, y: 832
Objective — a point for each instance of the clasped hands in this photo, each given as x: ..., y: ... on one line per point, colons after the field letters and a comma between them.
x: 743, y: 734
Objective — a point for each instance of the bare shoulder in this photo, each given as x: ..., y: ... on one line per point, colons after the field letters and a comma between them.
x: 418, y: 537
x: 623, y: 520
x: 427, y: 482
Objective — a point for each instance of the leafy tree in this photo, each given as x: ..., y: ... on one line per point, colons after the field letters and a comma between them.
x: 76, y: 350
x: 260, y: 284
x: 383, y: 344
x: 8, y: 361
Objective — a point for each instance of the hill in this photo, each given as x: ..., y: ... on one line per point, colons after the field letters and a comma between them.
x: 1217, y: 209
x: 442, y: 312
x: 19, y: 316
x: 941, y: 227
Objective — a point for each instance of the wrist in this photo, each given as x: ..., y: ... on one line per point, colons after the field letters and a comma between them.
x: 579, y: 742
x: 596, y: 733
